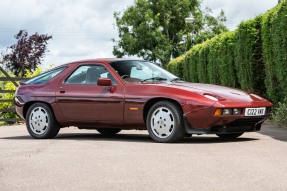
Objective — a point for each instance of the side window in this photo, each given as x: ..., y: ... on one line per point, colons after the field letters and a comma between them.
x: 89, y: 75
x: 45, y: 77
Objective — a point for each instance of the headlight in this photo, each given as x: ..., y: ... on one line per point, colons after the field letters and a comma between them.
x: 237, y: 111
x: 227, y: 112
x: 211, y: 97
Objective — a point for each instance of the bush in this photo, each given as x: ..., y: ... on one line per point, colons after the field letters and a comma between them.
x: 213, y: 60
x: 227, y: 71
x: 248, y: 56
x: 179, y: 67
x: 202, y: 63
x: 279, y: 115
x: 274, y: 36
x: 186, y: 65
x: 194, y: 59
x: 5, y: 105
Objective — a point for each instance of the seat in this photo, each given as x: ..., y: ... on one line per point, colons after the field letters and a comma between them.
x: 93, y: 74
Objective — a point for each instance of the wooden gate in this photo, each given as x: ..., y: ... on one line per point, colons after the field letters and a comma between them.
x: 12, y: 107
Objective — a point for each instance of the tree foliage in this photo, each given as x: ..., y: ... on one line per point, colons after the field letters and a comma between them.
x: 153, y: 29
x: 27, y: 54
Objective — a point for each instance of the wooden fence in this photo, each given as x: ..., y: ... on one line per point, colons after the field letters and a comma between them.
x: 12, y: 107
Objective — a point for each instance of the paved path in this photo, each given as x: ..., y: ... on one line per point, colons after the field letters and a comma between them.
x: 85, y: 160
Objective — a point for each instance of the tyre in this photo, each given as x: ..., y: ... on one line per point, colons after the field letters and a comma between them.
x: 165, y: 122
x: 229, y: 136
x: 108, y: 131
x: 41, y: 122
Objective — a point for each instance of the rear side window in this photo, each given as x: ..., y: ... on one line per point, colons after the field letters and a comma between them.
x: 45, y: 77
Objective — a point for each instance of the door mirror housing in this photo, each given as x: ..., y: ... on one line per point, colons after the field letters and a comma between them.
x: 104, y: 82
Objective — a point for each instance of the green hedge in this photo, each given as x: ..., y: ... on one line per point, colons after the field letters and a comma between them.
x: 202, y: 63
x: 176, y: 66
x: 274, y: 35
x: 194, y: 58
x: 248, y: 56
x: 213, y: 60
x: 227, y: 71
x: 252, y: 58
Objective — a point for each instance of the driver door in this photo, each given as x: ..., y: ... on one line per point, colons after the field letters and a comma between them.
x: 81, y: 99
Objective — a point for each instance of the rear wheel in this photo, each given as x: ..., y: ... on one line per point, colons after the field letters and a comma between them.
x: 41, y: 122
x: 108, y: 131
x: 165, y: 123
x: 229, y: 136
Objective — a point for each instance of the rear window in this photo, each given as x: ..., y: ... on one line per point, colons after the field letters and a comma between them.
x: 45, y: 77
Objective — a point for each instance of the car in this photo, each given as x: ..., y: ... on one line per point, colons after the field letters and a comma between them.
x: 110, y: 95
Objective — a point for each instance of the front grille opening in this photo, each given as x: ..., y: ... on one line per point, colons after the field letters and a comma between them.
x: 244, y: 125
x: 247, y: 121
x: 239, y: 125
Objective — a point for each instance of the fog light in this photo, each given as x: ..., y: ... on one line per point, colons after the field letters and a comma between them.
x: 237, y: 111
x: 227, y: 112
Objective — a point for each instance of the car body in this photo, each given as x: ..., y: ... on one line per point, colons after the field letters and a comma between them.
x: 119, y: 101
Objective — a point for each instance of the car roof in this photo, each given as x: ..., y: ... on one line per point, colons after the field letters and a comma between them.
x: 105, y: 60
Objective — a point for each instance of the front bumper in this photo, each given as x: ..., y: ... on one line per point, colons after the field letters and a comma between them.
x: 239, y: 125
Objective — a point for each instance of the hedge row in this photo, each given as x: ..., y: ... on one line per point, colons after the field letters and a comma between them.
x: 274, y: 36
x: 252, y: 58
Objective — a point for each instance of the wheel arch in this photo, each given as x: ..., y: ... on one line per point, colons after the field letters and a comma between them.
x: 28, y: 105
x: 152, y: 101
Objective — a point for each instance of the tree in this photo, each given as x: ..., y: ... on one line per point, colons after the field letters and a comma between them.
x: 27, y: 54
x: 153, y: 29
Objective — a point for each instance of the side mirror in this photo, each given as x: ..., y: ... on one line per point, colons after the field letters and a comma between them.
x: 104, y: 82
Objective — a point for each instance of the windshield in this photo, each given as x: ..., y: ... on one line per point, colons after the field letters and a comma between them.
x: 138, y: 71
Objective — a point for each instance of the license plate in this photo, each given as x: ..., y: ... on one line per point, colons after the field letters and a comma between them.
x: 255, y: 111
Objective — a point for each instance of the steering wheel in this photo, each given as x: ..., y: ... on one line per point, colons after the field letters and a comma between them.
x: 124, y: 76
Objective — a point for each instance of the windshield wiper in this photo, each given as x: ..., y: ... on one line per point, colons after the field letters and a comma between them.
x: 155, y: 78
x: 177, y: 79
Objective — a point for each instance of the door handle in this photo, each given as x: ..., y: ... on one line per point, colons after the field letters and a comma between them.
x: 62, y: 91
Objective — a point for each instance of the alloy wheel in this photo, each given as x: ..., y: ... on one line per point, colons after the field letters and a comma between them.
x: 162, y: 122
x: 39, y: 120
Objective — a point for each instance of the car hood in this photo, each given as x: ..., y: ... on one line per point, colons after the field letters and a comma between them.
x: 220, y: 92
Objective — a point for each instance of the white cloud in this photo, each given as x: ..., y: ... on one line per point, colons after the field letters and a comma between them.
x: 239, y: 10
x: 83, y: 29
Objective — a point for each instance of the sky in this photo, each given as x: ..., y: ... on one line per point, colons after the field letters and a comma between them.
x: 83, y: 29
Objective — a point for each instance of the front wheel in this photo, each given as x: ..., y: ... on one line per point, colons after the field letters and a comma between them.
x: 41, y: 122
x: 229, y: 136
x: 165, y: 123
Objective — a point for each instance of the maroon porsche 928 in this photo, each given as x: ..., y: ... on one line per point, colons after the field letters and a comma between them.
x: 111, y: 95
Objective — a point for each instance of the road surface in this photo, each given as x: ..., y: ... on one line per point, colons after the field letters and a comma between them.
x: 86, y: 160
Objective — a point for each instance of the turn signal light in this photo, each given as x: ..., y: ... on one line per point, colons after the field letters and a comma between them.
x: 218, y: 112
